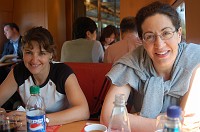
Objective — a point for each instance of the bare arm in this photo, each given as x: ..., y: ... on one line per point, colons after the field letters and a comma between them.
x: 137, y: 123
x: 79, y: 107
x: 106, y: 56
x: 7, y: 88
x: 189, y: 103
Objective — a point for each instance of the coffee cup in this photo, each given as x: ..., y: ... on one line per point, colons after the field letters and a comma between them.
x: 95, y: 128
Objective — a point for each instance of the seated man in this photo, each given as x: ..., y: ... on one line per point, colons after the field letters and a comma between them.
x: 12, y: 46
x: 84, y: 48
x: 129, y: 42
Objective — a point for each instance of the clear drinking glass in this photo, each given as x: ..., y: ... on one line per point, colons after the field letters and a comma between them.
x: 9, y: 123
x: 160, y: 122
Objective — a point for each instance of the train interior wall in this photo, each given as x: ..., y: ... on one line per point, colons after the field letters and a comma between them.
x: 58, y: 15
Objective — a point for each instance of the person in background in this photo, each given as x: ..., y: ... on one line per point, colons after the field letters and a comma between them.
x: 84, y: 48
x: 64, y: 100
x: 129, y: 42
x: 13, y: 46
x: 108, y: 36
x: 159, y: 71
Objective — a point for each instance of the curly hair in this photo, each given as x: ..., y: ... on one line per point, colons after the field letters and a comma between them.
x: 157, y: 8
x: 42, y: 36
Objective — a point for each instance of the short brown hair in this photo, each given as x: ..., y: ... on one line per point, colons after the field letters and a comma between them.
x: 42, y: 36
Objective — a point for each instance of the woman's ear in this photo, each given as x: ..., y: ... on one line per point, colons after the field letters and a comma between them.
x: 51, y: 57
x: 179, y: 34
x: 180, y: 31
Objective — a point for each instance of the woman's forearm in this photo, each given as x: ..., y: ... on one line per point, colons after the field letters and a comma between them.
x: 69, y: 115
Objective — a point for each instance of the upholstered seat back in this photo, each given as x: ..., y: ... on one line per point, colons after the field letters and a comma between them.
x: 91, y: 77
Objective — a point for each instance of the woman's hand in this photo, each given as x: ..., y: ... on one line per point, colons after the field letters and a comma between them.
x: 20, y: 118
x: 2, y: 110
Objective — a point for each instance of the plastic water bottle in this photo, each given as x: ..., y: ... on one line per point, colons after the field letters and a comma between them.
x: 119, y: 121
x: 35, y: 111
x: 173, y: 123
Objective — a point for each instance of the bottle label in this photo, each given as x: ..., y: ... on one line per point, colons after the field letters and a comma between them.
x: 176, y: 129
x: 36, y: 123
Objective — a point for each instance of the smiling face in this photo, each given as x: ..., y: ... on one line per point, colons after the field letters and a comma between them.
x: 36, y: 60
x: 162, y: 52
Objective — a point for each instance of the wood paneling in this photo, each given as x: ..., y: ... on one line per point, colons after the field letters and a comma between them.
x: 69, y: 18
x: 57, y: 22
x: 130, y: 7
x: 6, y: 12
x: 29, y: 13
x: 49, y: 14
x: 192, y: 21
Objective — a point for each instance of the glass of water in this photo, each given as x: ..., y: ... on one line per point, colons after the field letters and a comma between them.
x: 160, y: 122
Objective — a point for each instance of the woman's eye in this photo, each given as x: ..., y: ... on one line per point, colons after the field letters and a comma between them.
x: 27, y: 52
x: 166, y: 33
x: 42, y: 53
x: 148, y: 37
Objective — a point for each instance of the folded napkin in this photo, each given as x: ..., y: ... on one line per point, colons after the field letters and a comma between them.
x: 53, y: 128
x: 83, y: 129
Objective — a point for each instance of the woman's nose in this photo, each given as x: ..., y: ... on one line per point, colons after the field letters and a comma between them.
x: 159, y: 43
x: 34, y: 58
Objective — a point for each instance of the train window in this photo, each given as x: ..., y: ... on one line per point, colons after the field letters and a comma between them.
x: 103, y: 12
x: 181, y: 10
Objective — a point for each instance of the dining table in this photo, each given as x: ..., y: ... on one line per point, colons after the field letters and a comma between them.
x: 76, y: 126
x: 6, y: 64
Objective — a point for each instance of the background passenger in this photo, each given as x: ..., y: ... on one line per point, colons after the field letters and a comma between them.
x: 12, y: 46
x: 129, y: 42
x: 84, y: 48
x: 63, y: 97
x: 109, y: 36
x: 160, y: 70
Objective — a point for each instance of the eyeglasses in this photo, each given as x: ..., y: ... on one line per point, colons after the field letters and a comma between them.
x: 151, y: 37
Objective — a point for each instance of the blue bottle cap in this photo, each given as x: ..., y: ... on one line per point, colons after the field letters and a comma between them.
x: 173, y: 111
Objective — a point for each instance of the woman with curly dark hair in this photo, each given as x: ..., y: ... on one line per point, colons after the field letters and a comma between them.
x: 159, y: 72
x: 64, y: 100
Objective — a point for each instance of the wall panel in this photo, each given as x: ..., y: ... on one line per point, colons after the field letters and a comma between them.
x: 130, y: 7
x: 47, y: 13
x: 57, y: 22
x: 29, y: 13
x: 192, y: 21
x: 6, y: 15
